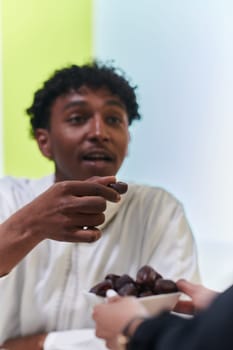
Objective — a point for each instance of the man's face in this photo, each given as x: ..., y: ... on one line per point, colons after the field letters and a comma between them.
x: 88, y: 134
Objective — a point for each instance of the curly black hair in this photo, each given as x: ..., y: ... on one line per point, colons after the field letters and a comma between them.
x: 93, y: 75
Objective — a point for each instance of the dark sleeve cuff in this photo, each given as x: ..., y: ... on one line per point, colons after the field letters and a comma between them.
x: 150, y: 332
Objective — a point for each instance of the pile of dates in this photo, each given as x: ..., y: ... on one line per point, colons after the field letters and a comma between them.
x: 148, y: 282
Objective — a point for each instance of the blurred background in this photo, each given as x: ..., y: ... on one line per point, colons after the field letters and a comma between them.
x: 180, y: 55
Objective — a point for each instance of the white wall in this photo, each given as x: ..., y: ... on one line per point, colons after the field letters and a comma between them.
x: 180, y: 54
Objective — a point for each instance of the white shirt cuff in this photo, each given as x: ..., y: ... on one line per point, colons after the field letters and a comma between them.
x: 80, y: 339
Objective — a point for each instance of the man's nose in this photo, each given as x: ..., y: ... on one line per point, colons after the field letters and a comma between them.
x: 98, y: 128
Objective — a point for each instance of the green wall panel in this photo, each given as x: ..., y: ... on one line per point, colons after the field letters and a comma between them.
x: 39, y: 36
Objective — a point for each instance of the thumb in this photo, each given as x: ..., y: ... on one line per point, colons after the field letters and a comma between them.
x: 187, y: 287
x: 113, y: 299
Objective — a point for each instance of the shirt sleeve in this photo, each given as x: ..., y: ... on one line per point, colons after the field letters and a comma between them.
x: 81, y: 339
x: 170, y: 242
x: 10, y: 305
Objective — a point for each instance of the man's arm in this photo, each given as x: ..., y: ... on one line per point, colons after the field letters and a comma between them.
x: 35, y: 342
x: 68, y: 211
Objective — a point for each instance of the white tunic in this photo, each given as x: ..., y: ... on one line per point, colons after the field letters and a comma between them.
x: 44, y: 293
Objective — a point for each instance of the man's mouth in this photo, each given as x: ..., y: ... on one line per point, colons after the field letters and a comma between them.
x: 97, y: 157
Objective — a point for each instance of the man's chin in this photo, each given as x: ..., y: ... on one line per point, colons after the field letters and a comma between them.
x: 99, y: 170
x: 90, y: 174
x: 101, y: 173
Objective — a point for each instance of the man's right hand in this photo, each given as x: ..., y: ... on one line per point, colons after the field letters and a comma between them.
x: 67, y: 207
x: 68, y: 211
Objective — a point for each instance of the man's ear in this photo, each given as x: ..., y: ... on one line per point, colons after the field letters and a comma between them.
x: 43, y: 140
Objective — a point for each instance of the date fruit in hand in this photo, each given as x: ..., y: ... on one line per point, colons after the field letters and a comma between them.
x: 120, y: 187
x: 148, y: 282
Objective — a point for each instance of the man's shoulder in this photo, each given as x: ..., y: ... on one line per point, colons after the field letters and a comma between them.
x: 17, y: 192
x: 22, y: 190
x: 11, y: 184
x: 151, y: 192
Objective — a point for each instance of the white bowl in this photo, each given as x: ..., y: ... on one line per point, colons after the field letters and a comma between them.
x: 93, y: 299
x: 154, y: 303
x: 161, y: 302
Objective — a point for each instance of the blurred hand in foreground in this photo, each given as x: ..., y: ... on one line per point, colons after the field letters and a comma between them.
x: 201, y: 297
x: 112, y: 317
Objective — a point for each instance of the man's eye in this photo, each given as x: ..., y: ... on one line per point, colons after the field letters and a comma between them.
x: 114, y: 120
x: 77, y: 119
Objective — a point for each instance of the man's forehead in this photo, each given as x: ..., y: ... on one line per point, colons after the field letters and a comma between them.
x: 102, y: 91
x: 83, y: 94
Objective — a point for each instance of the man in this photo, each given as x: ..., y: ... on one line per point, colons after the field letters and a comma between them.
x: 80, y: 119
x: 209, y: 329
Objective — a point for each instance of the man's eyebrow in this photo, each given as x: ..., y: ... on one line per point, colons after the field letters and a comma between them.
x: 116, y: 103
x: 78, y: 103
x: 75, y: 104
